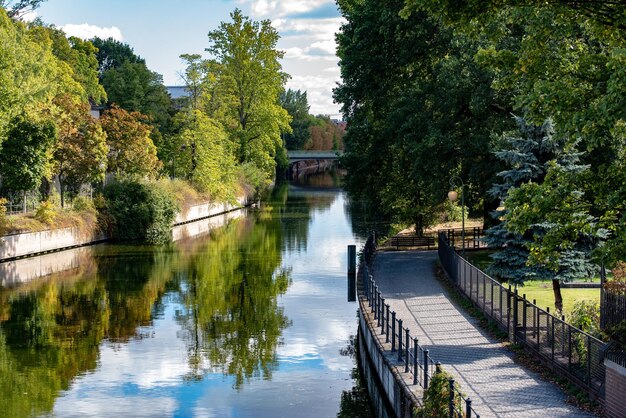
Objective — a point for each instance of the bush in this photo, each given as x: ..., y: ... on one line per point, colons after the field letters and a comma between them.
x: 437, y: 398
x: 46, y: 212
x: 140, y: 211
x: 83, y: 204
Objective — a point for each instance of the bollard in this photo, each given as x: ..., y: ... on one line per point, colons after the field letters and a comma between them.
x: 451, y: 400
x: 468, y: 408
x: 408, y: 351
x: 415, y: 361
x: 351, y: 259
x: 426, y: 369
x: 393, y: 331
x: 399, y: 340
x: 387, y: 324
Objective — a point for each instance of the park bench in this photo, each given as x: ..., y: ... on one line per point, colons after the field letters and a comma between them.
x: 412, y: 241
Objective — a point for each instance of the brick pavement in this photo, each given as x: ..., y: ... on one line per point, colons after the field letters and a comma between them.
x: 481, y: 365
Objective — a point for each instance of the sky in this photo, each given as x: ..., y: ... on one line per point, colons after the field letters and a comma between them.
x: 160, y: 31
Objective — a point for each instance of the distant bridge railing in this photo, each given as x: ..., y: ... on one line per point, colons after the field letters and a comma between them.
x: 313, y: 155
x: 567, y: 350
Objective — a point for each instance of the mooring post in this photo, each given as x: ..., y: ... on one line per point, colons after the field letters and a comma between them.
x: 351, y: 259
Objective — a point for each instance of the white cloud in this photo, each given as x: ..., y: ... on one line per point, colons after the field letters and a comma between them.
x: 319, y: 91
x: 281, y: 8
x: 87, y: 31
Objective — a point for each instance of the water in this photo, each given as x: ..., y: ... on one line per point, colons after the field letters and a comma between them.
x: 249, y: 320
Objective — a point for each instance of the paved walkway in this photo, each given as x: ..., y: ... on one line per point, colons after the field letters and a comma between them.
x: 481, y: 365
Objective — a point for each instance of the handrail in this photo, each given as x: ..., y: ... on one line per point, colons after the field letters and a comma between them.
x: 415, y: 358
x: 568, y: 350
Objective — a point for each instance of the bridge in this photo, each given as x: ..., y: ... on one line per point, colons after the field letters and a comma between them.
x: 295, y: 156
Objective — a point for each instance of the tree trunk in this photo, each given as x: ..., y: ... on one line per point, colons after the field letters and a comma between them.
x: 62, y: 184
x: 558, y: 299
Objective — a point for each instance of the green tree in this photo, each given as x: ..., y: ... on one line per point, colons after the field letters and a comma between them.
x: 17, y: 8
x: 80, y: 154
x: 202, y: 154
x: 418, y: 110
x: 112, y: 54
x: 26, y: 154
x: 296, y: 104
x: 131, y: 150
x: 245, y: 63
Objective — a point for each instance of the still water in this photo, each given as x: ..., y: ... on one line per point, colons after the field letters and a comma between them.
x: 249, y: 320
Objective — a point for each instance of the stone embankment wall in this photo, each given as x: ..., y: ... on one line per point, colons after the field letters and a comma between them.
x: 35, y: 243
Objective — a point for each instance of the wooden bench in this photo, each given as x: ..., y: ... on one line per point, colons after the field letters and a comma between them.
x: 412, y: 241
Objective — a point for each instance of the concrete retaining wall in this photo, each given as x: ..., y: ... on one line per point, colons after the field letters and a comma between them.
x: 34, y: 243
x: 400, y: 399
x: 21, y: 245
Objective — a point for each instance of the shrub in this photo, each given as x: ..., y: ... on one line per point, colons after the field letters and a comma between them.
x: 4, y: 221
x: 46, y: 212
x: 83, y: 204
x: 140, y: 211
x: 437, y: 398
x: 586, y: 316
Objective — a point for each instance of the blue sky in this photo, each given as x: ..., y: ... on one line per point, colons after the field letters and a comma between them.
x: 160, y: 31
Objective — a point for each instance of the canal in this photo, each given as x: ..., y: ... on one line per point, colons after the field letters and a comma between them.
x: 251, y: 319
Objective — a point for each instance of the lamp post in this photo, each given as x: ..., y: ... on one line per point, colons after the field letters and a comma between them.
x: 455, y: 181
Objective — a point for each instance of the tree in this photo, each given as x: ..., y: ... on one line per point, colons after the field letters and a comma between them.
x: 296, y: 104
x: 26, y: 153
x: 195, y: 77
x: 112, y: 54
x: 418, y: 110
x: 245, y: 64
x: 324, y: 135
x: 80, y: 155
x: 546, y: 231
x: 18, y: 8
x: 202, y: 154
x: 133, y: 87
x: 131, y: 151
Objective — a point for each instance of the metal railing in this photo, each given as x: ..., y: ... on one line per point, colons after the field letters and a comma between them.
x: 413, y: 357
x: 568, y: 351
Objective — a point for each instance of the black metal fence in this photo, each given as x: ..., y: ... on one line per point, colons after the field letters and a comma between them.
x: 567, y: 350
x: 613, y: 308
x: 415, y: 358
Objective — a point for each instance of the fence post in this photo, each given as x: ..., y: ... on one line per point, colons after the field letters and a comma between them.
x: 382, y: 315
x: 425, y: 365
x: 553, y: 341
x: 524, y: 316
x: 387, y: 324
x: 589, y: 360
x: 415, y: 361
x: 451, y: 399
x: 399, y: 340
x: 393, y: 331
x: 408, y: 349
x: 515, y: 316
x: 468, y: 408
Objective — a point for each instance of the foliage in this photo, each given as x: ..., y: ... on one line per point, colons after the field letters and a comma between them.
x: 296, y: 104
x: 586, y: 316
x: 325, y: 135
x: 18, y: 8
x: 203, y: 156
x: 437, y: 397
x: 25, y: 154
x: 131, y: 150
x: 141, y: 211
x: 112, y: 54
x: 248, y: 80
x: 46, y: 212
x: 418, y: 109
x: 80, y: 155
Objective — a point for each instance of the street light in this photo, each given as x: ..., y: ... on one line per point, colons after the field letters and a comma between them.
x: 455, y: 181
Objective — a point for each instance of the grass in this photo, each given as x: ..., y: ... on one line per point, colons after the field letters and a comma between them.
x: 541, y: 290
x: 543, y: 293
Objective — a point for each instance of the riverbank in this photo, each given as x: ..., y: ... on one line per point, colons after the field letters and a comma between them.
x: 28, y: 244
